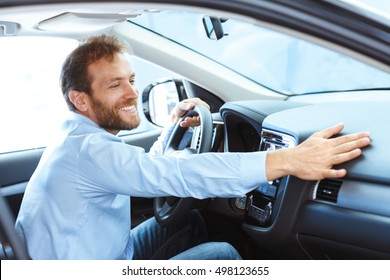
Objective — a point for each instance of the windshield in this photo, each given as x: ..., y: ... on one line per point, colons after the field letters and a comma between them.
x: 282, y: 63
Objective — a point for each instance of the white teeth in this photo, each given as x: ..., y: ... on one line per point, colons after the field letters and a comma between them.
x: 128, y: 108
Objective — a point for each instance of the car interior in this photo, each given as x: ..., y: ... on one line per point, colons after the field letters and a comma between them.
x: 287, y: 218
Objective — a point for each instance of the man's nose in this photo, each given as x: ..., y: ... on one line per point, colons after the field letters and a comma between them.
x: 131, y: 91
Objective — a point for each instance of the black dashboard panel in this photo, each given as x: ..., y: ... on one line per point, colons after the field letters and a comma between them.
x: 243, y: 122
x: 346, y: 218
x: 374, y: 117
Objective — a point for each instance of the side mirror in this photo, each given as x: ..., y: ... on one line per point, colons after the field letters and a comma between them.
x: 159, y: 99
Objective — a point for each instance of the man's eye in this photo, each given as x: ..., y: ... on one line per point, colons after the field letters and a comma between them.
x: 114, y: 86
x: 132, y: 82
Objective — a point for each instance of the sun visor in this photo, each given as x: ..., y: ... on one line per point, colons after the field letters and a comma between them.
x: 83, y: 22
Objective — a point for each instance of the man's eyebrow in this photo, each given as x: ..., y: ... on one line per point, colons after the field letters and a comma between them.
x: 114, y: 79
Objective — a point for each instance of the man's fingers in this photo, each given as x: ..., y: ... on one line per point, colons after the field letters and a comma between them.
x: 196, y: 101
x: 331, y: 131
x: 358, y: 138
x: 182, y: 108
x: 190, y: 121
x: 188, y: 104
x: 334, y: 173
x: 351, y: 143
x: 344, y: 157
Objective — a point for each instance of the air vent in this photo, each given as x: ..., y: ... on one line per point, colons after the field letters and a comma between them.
x: 198, y: 139
x: 197, y: 136
x: 327, y: 190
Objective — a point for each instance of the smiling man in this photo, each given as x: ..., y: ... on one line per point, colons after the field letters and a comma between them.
x: 77, y: 206
x: 77, y: 200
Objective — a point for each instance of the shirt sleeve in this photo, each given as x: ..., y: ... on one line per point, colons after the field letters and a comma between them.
x: 120, y: 168
x: 161, y: 142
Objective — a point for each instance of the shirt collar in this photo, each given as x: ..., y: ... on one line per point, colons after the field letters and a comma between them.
x: 80, y: 118
x: 85, y: 120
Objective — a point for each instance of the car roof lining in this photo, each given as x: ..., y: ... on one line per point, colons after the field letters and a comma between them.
x: 51, y: 18
x: 85, y: 21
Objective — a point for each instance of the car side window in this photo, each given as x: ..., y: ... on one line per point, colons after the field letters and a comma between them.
x: 31, y: 102
x: 29, y: 71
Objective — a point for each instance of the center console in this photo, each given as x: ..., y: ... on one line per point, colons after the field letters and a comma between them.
x: 260, y: 203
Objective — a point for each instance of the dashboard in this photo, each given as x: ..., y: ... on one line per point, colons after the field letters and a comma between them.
x: 327, y: 219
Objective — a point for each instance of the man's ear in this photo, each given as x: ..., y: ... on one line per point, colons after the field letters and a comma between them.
x: 78, y: 99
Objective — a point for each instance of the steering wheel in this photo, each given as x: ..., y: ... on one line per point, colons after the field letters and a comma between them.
x: 170, y: 210
x: 11, y: 246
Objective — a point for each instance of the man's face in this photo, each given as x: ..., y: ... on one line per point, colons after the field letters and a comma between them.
x: 113, y: 103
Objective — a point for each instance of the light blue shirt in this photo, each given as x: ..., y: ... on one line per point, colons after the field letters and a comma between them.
x: 77, y: 203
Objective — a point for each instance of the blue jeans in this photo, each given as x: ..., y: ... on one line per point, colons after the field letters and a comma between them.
x: 185, y: 241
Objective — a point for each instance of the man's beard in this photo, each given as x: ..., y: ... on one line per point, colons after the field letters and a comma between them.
x: 109, y: 118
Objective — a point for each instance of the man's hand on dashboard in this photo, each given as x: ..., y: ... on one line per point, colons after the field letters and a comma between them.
x: 315, y: 158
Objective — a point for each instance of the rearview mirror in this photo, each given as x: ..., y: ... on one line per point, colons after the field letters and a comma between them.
x: 213, y: 27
